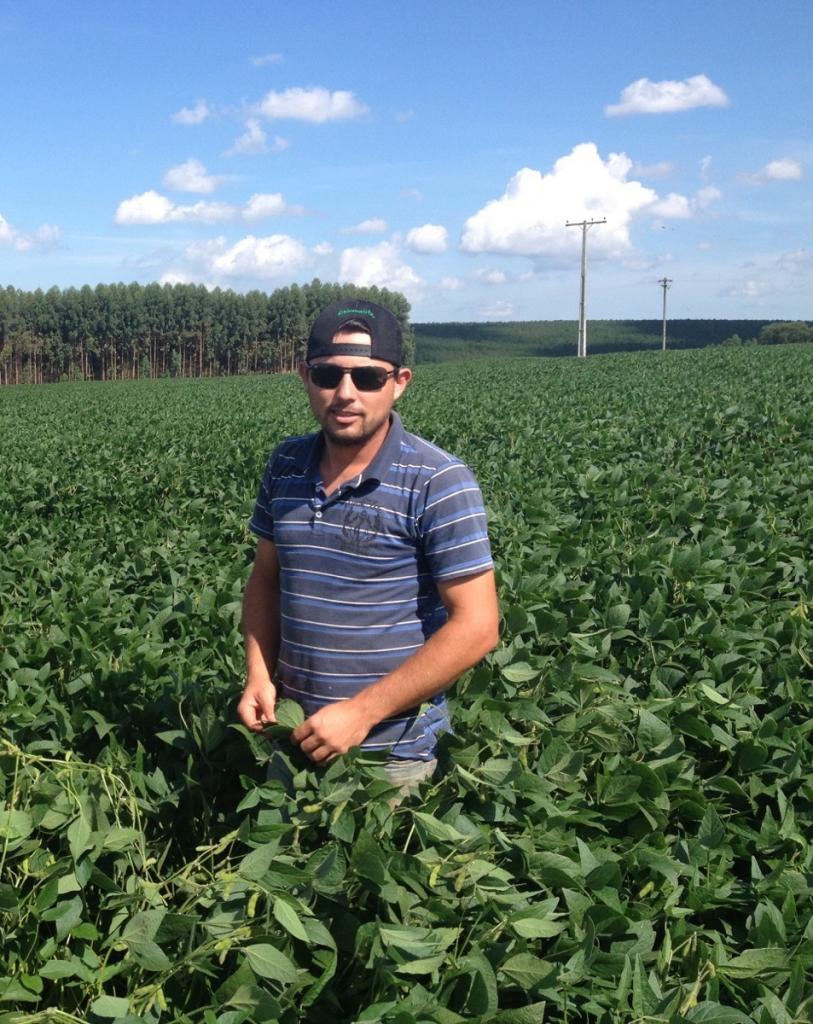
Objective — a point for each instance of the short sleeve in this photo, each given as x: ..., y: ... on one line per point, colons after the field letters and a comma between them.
x: 452, y: 525
x: 262, y: 519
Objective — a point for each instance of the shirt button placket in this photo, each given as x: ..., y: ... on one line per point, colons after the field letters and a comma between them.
x: 318, y: 503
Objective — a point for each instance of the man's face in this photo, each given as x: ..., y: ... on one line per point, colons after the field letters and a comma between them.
x: 349, y: 416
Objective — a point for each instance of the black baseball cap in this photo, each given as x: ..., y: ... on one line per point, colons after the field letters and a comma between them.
x: 385, y: 342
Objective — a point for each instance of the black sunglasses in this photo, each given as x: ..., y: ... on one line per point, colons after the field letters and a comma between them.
x: 365, y: 378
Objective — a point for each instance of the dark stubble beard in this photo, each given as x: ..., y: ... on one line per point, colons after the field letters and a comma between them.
x: 344, y: 441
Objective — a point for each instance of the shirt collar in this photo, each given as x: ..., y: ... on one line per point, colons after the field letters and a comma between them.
x: 387, y: 453
x: 314, y: 455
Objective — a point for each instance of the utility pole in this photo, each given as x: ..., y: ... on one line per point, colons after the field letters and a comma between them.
x: 584, y: 225
x: 665, y: 283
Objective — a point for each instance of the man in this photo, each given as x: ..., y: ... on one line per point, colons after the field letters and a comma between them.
x: 372, y: 588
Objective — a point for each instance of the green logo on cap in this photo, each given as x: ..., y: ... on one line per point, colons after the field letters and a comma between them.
x: 362, y: 312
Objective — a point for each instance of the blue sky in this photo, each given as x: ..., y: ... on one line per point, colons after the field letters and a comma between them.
x: 434, y: 148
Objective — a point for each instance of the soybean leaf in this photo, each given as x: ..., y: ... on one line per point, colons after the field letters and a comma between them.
x: 527, y: 970
x: 713, y: 1013
x: 753, y: 962
x: 270, y: 963
x: 289, y: 713
x: 289, y: 919
x: 110, y: 1007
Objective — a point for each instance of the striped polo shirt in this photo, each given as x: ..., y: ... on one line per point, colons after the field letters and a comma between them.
x: 359, y: 570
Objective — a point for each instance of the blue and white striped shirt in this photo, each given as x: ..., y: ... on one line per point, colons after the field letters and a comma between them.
x: 359, y: 570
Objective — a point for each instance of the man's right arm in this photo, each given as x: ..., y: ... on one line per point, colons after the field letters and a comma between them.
x: 261, y: 628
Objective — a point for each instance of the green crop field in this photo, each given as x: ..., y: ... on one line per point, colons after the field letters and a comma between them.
x: 623, y: 830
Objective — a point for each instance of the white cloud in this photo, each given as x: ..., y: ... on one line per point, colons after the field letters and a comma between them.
x: 498, y: 311
x: 706, y: 196
x: 705, y: 167
x: 205, y: 250
x: 253, y: 139
x: 452, y: 284
x: 264, y: 204
x: 529, y: 218
x: 323, y: 249
x: 315, y: 105
x: 800, y: 261
x: 152, y: 208
x: 193, y: 115
x: 269, y: 204
x: 750, y: 289
x: 491, y: 276
x: 147, y: 208
x: 266, y: 58
x: 192, y: 176
x: 46, y: 236
x: 647, y: 97
x: 704, y: 246
x: 659, y: 170
x: 176, y: 277
x: 272, y: 256
x: 205, y: 213
x: 785, y: 169
x: 678, y: 207
x: 7, y: 232
x: 411, y: 193
x: 673, y: 207
x: 429, y: 238
x: 377, y: 265
x: 371, y: 226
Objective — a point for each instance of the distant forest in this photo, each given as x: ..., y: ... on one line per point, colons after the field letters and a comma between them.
x: 124, y: 331
x: 445, y: 342
x: 127, y: 331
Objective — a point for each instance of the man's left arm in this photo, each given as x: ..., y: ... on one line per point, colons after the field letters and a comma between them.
x: 470, y: 632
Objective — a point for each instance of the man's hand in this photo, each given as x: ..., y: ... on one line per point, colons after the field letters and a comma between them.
x: 331, y: 731
x: 471, y: 631
x: 257, y: 706
x: 261, y: 632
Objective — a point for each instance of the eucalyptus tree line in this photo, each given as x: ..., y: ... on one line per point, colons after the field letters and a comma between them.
x: 125, y: 331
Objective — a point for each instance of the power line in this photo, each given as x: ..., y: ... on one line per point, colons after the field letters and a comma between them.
x: 584, y: 225
x: 665, y: 283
